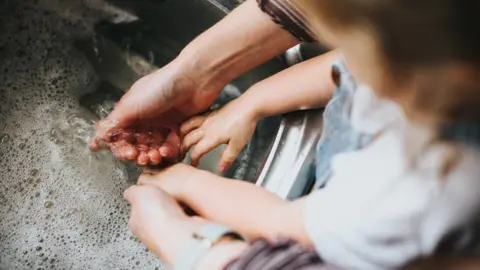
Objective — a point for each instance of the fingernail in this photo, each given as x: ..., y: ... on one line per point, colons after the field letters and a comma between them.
x: 223, y: 169
x: 164, y: 152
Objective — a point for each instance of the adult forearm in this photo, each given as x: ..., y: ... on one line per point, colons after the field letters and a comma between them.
x: 243, y: 40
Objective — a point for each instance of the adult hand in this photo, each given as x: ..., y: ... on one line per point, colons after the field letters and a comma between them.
x: 144, y: 124
x: 158, y: 221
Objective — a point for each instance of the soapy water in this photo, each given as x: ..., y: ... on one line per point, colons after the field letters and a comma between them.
x: 75, y: 129
x: 61, y: 206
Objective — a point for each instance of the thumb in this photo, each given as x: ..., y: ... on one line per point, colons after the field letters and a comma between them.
x: 130, y: 193
x: 145, y: 99
x: 122, y: 116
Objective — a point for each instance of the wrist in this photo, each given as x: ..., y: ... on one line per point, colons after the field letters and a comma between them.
x: 252, y: 105
x: 200, y: 68
x: 169, y: 241
x: 205, y: 240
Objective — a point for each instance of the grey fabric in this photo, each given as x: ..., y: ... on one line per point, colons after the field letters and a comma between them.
x: 338, y: 135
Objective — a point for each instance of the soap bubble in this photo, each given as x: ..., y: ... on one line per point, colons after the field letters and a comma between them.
x: 61, y: 206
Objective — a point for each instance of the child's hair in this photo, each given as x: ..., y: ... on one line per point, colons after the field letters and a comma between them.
x: 439, y: 39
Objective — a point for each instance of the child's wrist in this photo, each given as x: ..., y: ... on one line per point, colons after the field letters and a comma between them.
x: 251, y: 107
x: 255, y: 114
x: 190, y: 184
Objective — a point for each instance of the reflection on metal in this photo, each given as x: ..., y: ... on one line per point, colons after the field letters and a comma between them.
x: 302, y: 52
x: 289, y: 168
x: 288, y: 171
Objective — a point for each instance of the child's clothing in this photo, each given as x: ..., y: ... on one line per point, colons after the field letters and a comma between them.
x: 387, y: 202
x: 338, y: 135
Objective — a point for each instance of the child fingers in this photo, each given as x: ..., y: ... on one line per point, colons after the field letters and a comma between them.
x: 191, y: 139
x: 203, y: 147
x: 230, y: 154
x: 192, y: 124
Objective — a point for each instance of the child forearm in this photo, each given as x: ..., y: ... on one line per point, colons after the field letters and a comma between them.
x: 246, y: 208
x: 243, y: 206
x: 304, y: 86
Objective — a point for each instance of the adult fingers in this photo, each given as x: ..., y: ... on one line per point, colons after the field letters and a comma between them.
x: 154, y: 156
x: 171, y: 147
x: 105, y: 134
x: 143, y: 158
x: 96, y: 144
x: 129, y: 152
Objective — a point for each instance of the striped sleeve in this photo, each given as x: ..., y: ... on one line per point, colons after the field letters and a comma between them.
x: 289, y: 16
x: 281, y: 254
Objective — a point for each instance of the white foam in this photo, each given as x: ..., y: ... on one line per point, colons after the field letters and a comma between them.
x: 60, y: 206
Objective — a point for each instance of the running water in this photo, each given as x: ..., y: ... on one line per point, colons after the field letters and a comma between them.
x: 61, y: 207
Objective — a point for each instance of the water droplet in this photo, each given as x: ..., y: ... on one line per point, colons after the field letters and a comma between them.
x: 5, y: 138
x: 48, y: 204
x: 34, y: 172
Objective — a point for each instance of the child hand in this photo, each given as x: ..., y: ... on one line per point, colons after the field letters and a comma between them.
x: 233, y: 125
x: 171, y: 179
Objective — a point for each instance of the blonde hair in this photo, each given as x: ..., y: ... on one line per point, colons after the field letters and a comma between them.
x: 433, y: 45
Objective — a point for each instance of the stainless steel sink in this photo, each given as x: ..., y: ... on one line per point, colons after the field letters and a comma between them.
x: 63, y: 63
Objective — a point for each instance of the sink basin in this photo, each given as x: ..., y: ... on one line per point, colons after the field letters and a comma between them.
x: 63, y: 64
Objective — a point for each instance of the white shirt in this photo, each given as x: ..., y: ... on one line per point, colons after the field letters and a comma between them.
x: 388, y: 203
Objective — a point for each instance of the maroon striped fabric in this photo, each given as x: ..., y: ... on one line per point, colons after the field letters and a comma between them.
x: 284, y: 13
x: 282, y: 254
